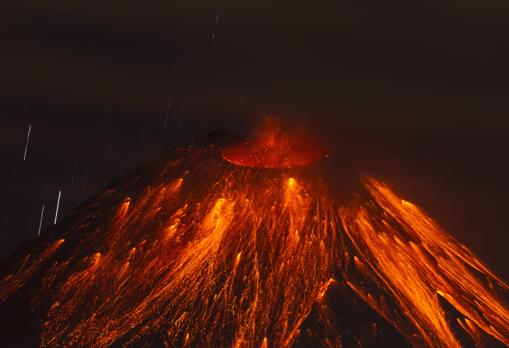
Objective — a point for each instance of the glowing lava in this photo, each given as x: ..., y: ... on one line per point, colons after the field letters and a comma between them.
x: 208, y: 254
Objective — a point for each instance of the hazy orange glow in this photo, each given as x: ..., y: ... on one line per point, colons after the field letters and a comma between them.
x: 271, y: 148
x: 218, y: 255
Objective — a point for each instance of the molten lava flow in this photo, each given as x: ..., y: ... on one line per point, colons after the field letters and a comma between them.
x: 273, y: 149
x: 412, y: 260
x: 210, y: 254
x: 240, y: 265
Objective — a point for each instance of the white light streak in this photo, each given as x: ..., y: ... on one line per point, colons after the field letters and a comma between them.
x: 58, y: 207
x: 27, y: 142
x: 215, y: 26
x: 40, y: 221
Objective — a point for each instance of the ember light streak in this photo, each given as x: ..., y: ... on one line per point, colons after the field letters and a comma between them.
x: 215, y: 254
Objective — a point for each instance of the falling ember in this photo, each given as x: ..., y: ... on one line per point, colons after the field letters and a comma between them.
x: 200, y: 252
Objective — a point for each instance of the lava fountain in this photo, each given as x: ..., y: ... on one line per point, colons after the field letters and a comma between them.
x: 246, y: 246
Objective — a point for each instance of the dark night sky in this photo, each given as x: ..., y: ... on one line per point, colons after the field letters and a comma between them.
x: 416, y: 91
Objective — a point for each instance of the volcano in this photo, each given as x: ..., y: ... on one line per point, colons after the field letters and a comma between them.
x: 229, y: 243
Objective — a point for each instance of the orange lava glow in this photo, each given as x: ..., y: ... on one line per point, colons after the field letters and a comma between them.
x: 216, y: 255
x: 415, y: 262
x: 272, y: 148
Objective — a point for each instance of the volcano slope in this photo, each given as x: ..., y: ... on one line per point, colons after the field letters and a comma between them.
x: 193, y: 250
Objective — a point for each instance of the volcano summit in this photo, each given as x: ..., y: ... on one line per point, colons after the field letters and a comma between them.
x: 231, y: 246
